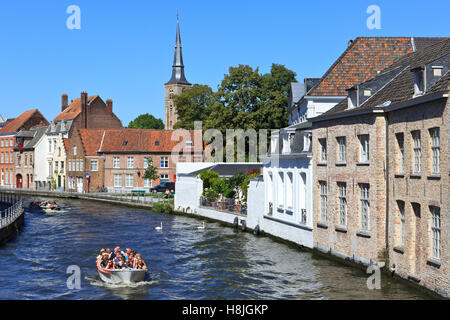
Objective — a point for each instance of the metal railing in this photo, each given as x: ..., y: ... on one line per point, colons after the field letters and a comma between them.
x: 147, y: 198
x: 225, y: 206
x: 14, y: 211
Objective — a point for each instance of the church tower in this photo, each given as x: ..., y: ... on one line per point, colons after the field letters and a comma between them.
x: 177, y: 83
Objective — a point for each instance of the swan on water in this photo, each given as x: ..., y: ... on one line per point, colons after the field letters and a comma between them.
x: 159, y: 228
x: 202, y: 227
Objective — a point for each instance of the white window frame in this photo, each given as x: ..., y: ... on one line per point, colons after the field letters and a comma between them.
x: 116, y: 162
x: 94, y: 167
x: 130, y: 162
x: 323, y: 201
x: 364, y: 148
x: 164, y: 178
x: 435, y: 146
x: 323, y: 150
x: 118, y: 181
x: 129, y: 180
x: 164, y: 162
x: 342, y: 149
x: 436, y: 232
x: 364, y: 206
x: 342, y: 203
x: 417, y: 151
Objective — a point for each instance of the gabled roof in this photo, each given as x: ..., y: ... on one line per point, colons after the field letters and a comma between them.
x: 91, y: 139
x: 74, y: 109
x: 16, y: 124
x: 400, y: 88
x: 138, y: 141
x: 362, y: 59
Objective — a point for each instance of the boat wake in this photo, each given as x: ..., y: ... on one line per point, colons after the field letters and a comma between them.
x: 100, y: 283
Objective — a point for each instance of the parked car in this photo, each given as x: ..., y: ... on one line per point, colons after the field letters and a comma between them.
x: 163, y: 186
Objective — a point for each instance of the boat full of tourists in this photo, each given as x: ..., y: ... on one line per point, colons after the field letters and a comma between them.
x: 121, y: 266
x: 46, y: 206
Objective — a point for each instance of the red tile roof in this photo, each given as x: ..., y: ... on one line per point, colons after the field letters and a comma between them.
x: 74, y: 109
x: 16, y: 124
x: 360, y: 62
x: 138, y: 140
x: 91, y: 139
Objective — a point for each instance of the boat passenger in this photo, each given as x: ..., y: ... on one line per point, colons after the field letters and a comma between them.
x: 139, y: 263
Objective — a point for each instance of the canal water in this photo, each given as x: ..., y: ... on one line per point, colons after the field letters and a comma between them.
x: 184, y: 262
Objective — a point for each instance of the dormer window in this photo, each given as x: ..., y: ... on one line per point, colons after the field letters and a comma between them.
x: 419, y: 83
x: 352, y: 97
x: 367, y: 92
x: 437, y: 71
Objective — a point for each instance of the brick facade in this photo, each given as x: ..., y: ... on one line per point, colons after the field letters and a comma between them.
x: 350, y: 240
x: 412, y: 196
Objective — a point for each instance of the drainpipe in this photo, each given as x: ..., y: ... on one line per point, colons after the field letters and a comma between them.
x: 386, y: 117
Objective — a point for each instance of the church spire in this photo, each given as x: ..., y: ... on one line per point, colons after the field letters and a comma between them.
x: 178, y: 66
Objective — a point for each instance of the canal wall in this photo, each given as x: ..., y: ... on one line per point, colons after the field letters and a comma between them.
x: 11, y: 217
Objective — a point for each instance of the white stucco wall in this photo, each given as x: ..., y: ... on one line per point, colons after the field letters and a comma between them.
x: 41, y: 171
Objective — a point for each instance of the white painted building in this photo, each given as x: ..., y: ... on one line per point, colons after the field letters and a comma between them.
x: 45, y: 150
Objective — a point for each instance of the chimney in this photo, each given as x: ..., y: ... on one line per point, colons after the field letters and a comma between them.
x: 64, y: 101
x: 84, y: 115
x: 109, y: 105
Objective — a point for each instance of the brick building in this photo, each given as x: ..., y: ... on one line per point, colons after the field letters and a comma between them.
x: 24, y: 157
x: 86, y: 112
x: 126, y: 152
x: 379, y: 194
x: 8, y: 133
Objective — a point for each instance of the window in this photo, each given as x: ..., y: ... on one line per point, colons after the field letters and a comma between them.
x: 364, y: 148
x: 94, y: 165
x: 62, y: 165
x: 11, y: 157
x: 401, y: 152
x: 435, y: 150
x: 289, y: 190
x: 164, y: 162
x: 129, y: 180
x: 323, y: 150
x: 49, y: 145
x: 157, y: 142
x: 74, y: 150
x: 341, y: 149
x: 164, y: 178
x: 147, y: 183
x: 323, y: 201
x: 437, y: 71
x: 364, y: 206
x: 116, y: 162
x: 2, y: 158
x: 56, y: 166
x: 435, y: 232
x: 117, y: 180
x: 146, y: 163
x: 280, y: 188
x: 416, y: 151
x: 342, y: 195
x: 130, y: 163
x: 3, y: 143
x: 77, y: 163
x: 59, y: 152
x: 81, y: 165
x: 401, y: 210
x: 419, y: 87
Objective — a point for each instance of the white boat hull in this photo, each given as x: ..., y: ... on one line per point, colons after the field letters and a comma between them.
x: 122, y: 276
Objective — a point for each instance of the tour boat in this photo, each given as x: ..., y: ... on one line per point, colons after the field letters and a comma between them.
x: 115, y: 276
x: 47, y: 207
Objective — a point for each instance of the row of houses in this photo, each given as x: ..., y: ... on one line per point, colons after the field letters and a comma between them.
x: 86, y: 149
x: 372, y: 170
x: 362, y: 171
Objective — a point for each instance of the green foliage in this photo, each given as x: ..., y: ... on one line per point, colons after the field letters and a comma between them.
x: 146, y: 121
x: 151, y: 172
x: 162, y: 207
x: 208, y: 177
x: 193, y: 104
x: 210, y: 194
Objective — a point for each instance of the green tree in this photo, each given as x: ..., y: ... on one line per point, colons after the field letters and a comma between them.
x: 146, y: 121
x: 193, y: 104
x: 151, y: 172
x: 208, y: 178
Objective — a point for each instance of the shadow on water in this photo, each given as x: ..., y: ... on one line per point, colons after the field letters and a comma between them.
x: 184, y: 262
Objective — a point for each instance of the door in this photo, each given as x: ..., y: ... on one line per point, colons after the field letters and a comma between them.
x: 79, y: 184
x: 19, y: 182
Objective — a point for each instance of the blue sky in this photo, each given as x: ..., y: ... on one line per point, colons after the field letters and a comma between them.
x: 124, y: 49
